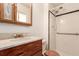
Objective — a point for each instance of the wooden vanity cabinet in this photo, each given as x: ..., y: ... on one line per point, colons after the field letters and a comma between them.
x: 29, y: 49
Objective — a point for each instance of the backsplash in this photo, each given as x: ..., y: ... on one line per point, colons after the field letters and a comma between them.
x: 11, y: 35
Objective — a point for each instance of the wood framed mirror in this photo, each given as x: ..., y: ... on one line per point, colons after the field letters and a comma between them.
x: 7, y: 12
x: 23, y: 14
x: 16, y: 13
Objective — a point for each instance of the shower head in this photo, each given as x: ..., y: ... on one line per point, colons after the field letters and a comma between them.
x: 57, y: 10
x: 60, y: 7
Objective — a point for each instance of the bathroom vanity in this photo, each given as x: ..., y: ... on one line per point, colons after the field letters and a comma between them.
x: 30, y: 46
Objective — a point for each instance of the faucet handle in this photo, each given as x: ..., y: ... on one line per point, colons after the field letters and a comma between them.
x: 17, y: 35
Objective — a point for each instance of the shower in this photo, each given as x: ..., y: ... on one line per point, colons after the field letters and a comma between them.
x: 56, y: 10
x: 64, y: 29
x: 52, y: 28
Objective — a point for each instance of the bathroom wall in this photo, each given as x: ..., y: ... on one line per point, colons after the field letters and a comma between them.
x: 68, y: 44
x: 45, y: 31
x: 39, y: 23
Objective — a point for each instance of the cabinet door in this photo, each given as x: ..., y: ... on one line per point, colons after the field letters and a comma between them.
x: 7, y: 12
x: 24, y: 14
x: 1, y: 11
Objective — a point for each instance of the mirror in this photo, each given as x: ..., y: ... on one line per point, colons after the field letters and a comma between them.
x: 8, y: 11
x: 16, y: 13
x: 24, y: 13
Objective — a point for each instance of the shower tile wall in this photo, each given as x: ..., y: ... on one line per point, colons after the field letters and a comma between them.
x: 68, y: 23
x: 68, y: 44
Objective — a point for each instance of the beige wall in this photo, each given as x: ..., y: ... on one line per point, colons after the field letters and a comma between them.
x: 39, y: 23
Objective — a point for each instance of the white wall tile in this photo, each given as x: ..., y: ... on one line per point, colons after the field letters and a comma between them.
x: 67, y: 44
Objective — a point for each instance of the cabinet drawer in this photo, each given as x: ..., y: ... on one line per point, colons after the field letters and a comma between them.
x: 33, y: 47
x: 16, y: 51
x: 39, y: 53
x: 34, y: 44
x: 6, y: 52
x: 31, y: 52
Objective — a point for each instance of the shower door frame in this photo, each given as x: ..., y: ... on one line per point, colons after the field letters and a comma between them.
x: 49, y: 12
x: 56, y: 16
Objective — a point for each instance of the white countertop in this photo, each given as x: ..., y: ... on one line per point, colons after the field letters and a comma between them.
x: 8, y: 43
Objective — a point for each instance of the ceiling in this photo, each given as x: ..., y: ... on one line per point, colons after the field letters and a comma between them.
x: 55, y: 4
